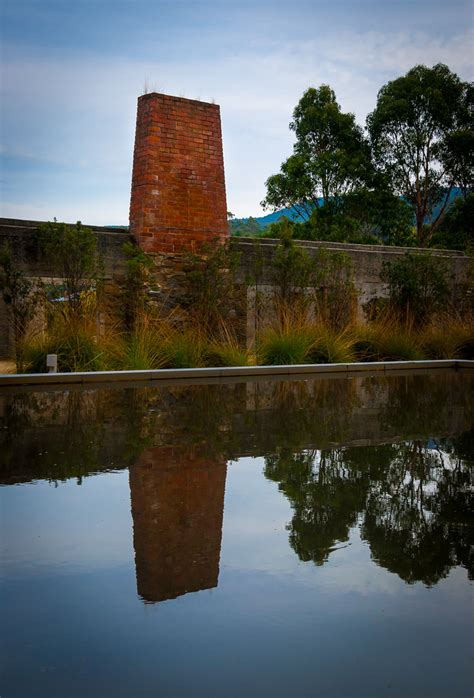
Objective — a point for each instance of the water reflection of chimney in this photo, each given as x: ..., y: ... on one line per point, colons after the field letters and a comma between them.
x: 177, y: 508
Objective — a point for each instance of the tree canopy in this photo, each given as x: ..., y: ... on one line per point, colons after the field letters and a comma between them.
x: 331, y: 155
x: 393, y: 184
x: 422, y: 135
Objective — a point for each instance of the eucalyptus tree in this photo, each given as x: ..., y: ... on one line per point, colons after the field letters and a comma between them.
x: 331, y: 156
x: 422, y: 136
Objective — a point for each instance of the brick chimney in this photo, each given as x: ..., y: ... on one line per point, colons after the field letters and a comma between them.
x: 178, y: 196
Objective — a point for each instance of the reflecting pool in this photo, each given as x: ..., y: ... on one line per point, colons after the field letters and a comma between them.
x: 263, y: 538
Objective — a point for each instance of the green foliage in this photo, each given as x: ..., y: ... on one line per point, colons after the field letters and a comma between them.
x: 323, y: 281
x: 212, y: 293
x: 421, y: 147
x: 187, y: 349
x: 418, y: 285
x: 291, y: 188
x: 295, y: 338
x: 144, y: 348
x: 456, y: 232
x: 224, y: 354
x: 415, y: 131
x: 292, y: 268
x: 138, y: 265
x: 331, y: 156
x: 245, y: 228
x: 21, y: 295
x: 377, y: 216
x: 224, y: 349
x: 333, y: 292
x: 71, y: 251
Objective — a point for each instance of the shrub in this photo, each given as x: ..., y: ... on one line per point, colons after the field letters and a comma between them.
x: 289, y: 340
x: 323, y: 281
x: 292, y: 269
x: 278, y: 346
x: 212, y: 292
x: 133, y: 296
x: 297, y: 339
x: 72, y: 254
x: 334, y: 293
x: 417, y: 285
x: 186, y: 349
x: 225, y: 350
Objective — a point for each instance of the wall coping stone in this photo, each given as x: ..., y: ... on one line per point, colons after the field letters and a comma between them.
x: 350, y: 247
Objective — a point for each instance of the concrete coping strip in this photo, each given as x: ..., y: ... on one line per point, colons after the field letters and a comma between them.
x: 241, y: 372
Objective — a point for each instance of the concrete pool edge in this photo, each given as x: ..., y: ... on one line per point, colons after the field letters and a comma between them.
x: 242, y: 372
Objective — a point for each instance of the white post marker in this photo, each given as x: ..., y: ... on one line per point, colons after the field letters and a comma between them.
x: 52, y: 363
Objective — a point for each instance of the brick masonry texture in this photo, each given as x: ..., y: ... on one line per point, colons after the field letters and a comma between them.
x: 178, y: 198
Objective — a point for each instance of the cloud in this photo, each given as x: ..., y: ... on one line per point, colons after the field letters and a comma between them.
x: 80, y: 110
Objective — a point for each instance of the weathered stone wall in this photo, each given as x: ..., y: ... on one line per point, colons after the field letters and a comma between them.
x: 22, y: 238
x: 367, y: 261
x: 169, y: 272
x: 178, y: 189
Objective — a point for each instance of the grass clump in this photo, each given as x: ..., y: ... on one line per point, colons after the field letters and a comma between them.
x: 331, y: 347
x: 387, y: 340
x: 282, y: 345
x: 186, y: 348
x: 76, y: 347
x: 224, y: 349
x: 296, y: 338
x: 142, y: 349
x: 448, y: 339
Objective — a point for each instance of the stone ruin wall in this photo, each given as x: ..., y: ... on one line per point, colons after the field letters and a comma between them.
x: 169, y: 272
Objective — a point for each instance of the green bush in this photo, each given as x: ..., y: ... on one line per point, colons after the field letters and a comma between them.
x: 418, y: 286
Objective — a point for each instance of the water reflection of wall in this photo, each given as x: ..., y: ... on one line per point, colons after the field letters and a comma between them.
x: 177, y: 509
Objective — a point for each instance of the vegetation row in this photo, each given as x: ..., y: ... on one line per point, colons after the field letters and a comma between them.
x: 309, y: 315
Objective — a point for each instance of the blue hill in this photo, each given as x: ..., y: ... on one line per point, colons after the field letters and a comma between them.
x: 263, y: 221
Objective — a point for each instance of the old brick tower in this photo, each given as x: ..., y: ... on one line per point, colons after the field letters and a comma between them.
x: 178, y: 189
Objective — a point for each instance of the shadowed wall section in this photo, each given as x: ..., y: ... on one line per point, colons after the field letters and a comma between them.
x: 177, y: 508
x: 178, y: 196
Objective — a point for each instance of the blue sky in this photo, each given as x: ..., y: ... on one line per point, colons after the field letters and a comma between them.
x: 72, y: 72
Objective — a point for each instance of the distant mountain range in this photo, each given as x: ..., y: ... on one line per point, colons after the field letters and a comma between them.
x: 263, y: 221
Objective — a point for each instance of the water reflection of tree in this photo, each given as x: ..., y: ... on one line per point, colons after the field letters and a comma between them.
x: 326, y: 496
x: 413, y: 504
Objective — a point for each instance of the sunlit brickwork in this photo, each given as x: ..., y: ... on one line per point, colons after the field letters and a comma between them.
x: 178, y: 198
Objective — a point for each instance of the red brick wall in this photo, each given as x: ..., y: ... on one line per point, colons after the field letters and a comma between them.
x: 177, y: 508
x: 178, y: 190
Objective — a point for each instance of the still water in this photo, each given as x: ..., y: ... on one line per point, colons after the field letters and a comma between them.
x: 274, y: 538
